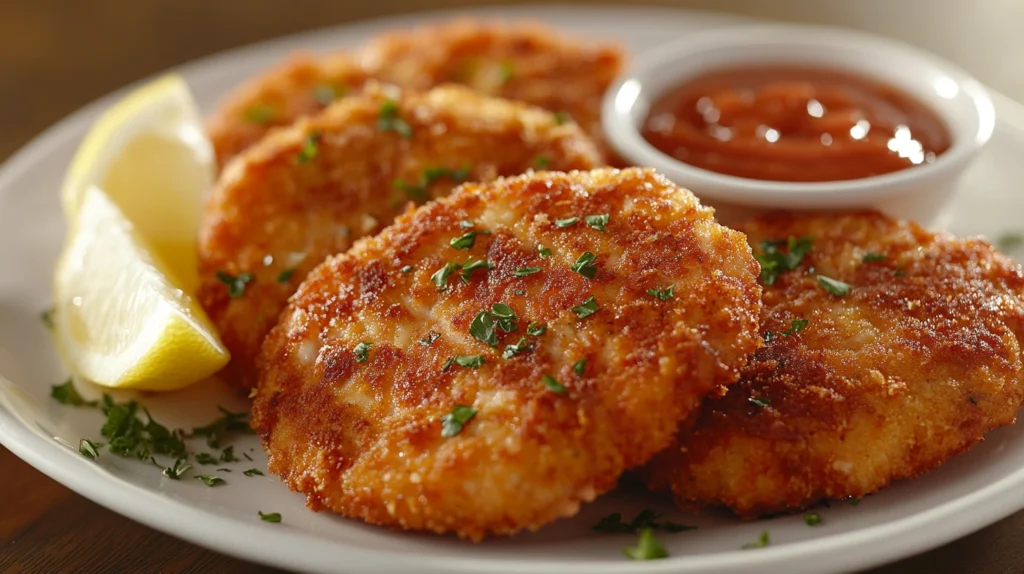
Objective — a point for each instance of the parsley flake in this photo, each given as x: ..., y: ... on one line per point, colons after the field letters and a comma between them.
x: 221, y: 428
x: 812, y: 519
x: 662, y: 294
x: 598, y: 222
x: 854, y: 501
x: 774, y: 262
x: 567, y: 222
x: 406, y: 269
x: 646, y: 518
x: 795, y: 326
x: 470, y: 265
x: 647, y: 547
x: 89, y: 449
x: 235, y: 283
x: 553, y: 385
x: 253, y: 472
x: 585, y: 265
x: 761, y: 541
x: 871, y: 257
x: 260, y: 114
x: 505, y: 317
x: 579, y: 367
x: 440, y: 277
x: 543, y: 251
x: 362, y: 351
x: 760, y: 402
x: 482, y: 329
x: 517, y: 348
x: 389, y: 120
x: 324, y: 94
x: 536, y: 329
x: 586, y: 309
x: 833, y: 286
x: 466, y: 224
x: 561, y: 118
x: 211, y: 480
x: 453, y: 422
x: 269, y: 516
x: 1009, y: 240
x: 429, y: 338
x: 47, y: 317
x: 205, y: 458
x: 468, y: 361
x: 525, y: 271
x: 228, y: 455
x: 180, y: 467
x: 286, y: 275
x: 467, y: 240
x: 418, y: 191
x: 67, y: 394
x: 310, y: 148
x: 541, y: 162
x: 507, y: 71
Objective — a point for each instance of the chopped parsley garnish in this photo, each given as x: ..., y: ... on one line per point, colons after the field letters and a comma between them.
x: 326, y: 93
x: 228, y: 455
x: 286, y: 275
x: 418, y: 191
x: 760, y: 402
x: 871, y: 257
x: 440, y: 277
x: 429, y: 338
x: 774, y: 262
x: 47, y: 317
x: 482, y: 329
x: 795, y: 326
x: 561, y: 118
x: 467, y: 240
x: 525, y: 271
x: 310, y: 147
x: 505, y: 317
x: 646, y: 518
x: 761, y: 541
x: 129, y: 436
x: 663, y: 294
x: 236, y: 283
x: 180, y: 467
x: 389, y: 120
x: 520, y: 292
x: 854, y: 501
x: 585, y: 265
x: 247, y: 457
x: 512, y: 350
x: 567, y: 222
x: 543, y: 251
x: 541, y: 162
x: 223, y: 470
x: 973, y: 400
x: 220, y: 429
x: 579, y: 367
x: 269, y: 516
x: 833, y: 286
x: 466, y: 224
x: 88, y: 449
x: 406, y: 269
x: 205, y: 458
x: 362, y: 351
x: 812, y: 519
x: 553, y: 385
x: 1009, y: 240
x: 67, y: 394
x: 453, y: 422
x: 253, y: 472
x: 468, y: 361
x: 586, y: 309
x: 598, y: 222
x: 470, y: 265
x: 260, y: 114
x: 211, y: 480
x: 536, y: 329
x: 647, y: 547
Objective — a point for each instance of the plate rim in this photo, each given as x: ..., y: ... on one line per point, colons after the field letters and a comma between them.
x: 988, y: 504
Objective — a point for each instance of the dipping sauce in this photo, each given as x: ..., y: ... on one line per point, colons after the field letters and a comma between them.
x: 794, y: 124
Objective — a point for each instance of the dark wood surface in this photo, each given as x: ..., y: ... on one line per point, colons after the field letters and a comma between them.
x: 57, y: 55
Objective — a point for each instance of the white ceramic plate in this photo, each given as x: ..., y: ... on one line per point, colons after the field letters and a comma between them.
x: 966, y: 494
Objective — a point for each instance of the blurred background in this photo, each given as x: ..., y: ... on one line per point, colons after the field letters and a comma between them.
x: 58, y: 55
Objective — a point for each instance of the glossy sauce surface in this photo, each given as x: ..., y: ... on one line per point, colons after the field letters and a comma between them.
x: 794, y: 124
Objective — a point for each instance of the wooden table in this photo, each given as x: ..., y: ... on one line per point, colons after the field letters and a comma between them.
x: 56, y: 55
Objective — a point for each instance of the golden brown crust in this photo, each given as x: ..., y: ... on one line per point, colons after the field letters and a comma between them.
x: 364, y: 438
x: 272, y: 212
x: 913, y: 366
x: 525, y: 62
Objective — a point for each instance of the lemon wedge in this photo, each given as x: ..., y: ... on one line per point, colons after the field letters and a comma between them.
x: 151, y: 157
x: 120, y: 319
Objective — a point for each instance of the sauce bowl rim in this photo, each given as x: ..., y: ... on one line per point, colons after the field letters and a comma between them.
x: 623, y: 131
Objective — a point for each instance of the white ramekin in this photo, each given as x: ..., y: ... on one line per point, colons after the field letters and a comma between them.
x: 916, y: 193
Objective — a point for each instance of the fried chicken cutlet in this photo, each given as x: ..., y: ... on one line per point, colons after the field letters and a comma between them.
x: 310, y: 190
x: 499, y: 357
x: 888, y: 350
x: 526, y: 62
